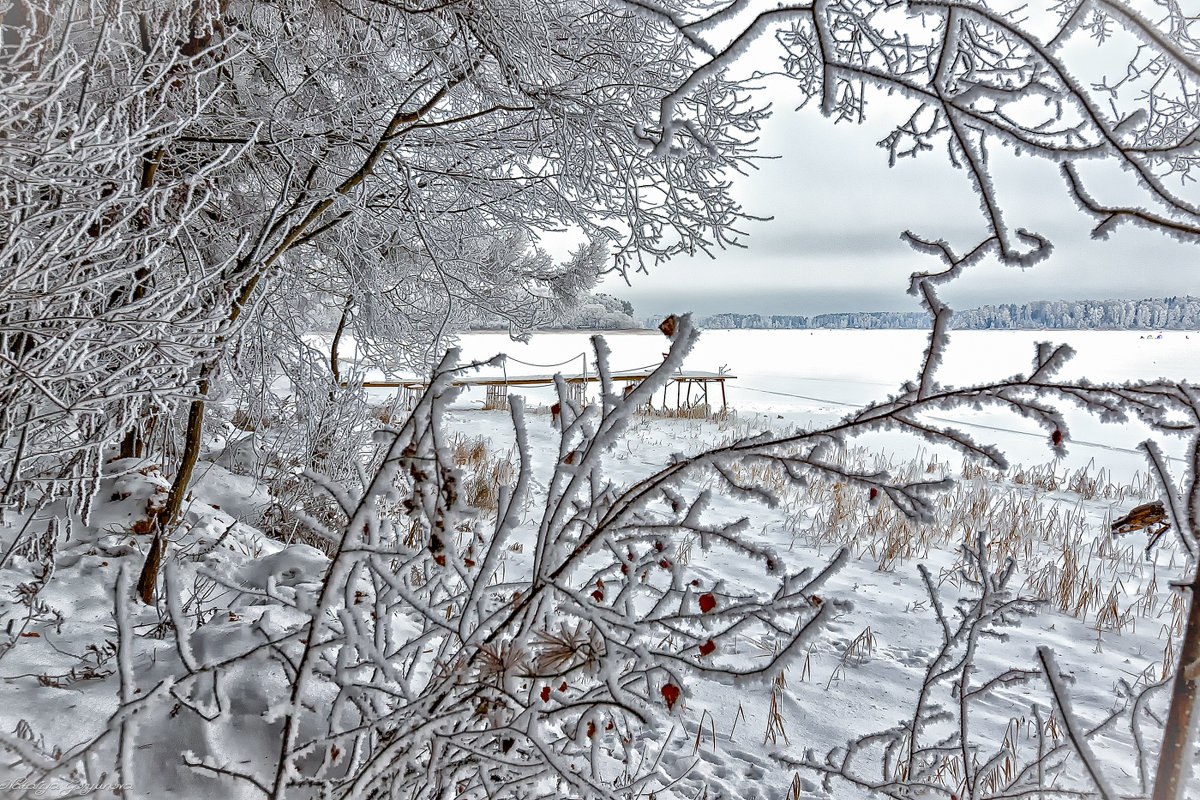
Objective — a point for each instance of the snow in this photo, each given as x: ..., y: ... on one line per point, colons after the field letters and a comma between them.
x: 240, y: 495
x: 810, y: 377
x: 1104, y: 610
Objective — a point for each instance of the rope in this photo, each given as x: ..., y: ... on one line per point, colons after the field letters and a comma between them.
x: 1082, y: 443
x: 800, y: 396
x: 507, y: 358
x: 1096, y: 445
x: 646, y: 367
x: 545, y: 366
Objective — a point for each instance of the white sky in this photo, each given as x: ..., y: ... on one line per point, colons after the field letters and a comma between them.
x: 838, y: 210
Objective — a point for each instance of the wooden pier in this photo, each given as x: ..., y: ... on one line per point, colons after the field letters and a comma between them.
x: 685, y: 382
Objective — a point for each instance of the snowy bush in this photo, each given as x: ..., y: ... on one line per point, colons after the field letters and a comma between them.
x: 431, y: 656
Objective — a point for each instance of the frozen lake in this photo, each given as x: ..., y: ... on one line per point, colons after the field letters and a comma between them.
x: 809, y: 377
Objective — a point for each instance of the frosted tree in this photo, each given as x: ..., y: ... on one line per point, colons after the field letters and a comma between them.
x: 400, y: 159
x: 179, y: 178
x: 106, y: 307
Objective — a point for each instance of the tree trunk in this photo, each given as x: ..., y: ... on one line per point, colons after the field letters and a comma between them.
x: 15, y: 472
x: 1175, y: 756
x: 298, y: 233
x: 166, y: 517
x: 149, y: 577
x: 131, y: 445
x: 187, y: 461
x: 337, y: 338
x: 134, y: 443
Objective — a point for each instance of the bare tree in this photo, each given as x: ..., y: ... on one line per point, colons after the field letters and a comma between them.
x: 980, y: 75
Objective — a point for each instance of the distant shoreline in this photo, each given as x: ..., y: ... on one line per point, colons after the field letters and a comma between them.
x: 654, y: 331
x: 1148, y: 314
x: 960, y: 330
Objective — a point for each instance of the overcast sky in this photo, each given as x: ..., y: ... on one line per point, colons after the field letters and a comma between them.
x: 834, y: 243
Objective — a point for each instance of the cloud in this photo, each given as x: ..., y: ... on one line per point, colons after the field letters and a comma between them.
x: 838, y: 210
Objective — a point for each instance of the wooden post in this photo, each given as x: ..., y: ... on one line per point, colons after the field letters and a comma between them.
x: 497, y: 396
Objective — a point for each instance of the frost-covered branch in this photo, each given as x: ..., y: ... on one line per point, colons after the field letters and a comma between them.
x: 1074, y: 731
x: 976, y: 75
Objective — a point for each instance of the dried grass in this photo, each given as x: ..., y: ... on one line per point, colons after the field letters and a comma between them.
x: 1042, y: 517
x: 697, y: 411
x: 483, y: 472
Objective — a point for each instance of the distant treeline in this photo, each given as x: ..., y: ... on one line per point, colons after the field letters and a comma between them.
x: 1156, y: 313
x: 597, y: 311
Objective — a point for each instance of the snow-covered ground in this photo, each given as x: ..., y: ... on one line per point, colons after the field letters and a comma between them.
x: 1106, y: 612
